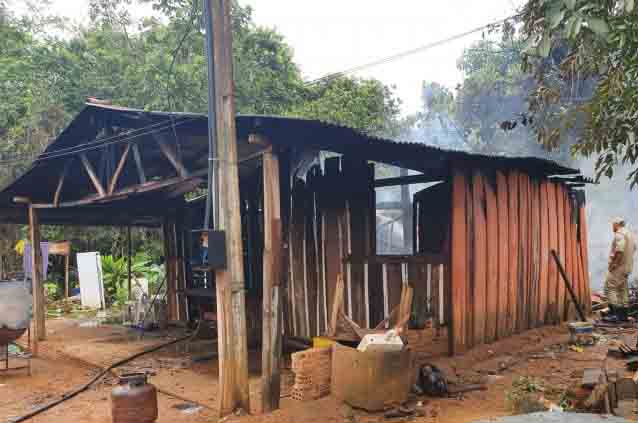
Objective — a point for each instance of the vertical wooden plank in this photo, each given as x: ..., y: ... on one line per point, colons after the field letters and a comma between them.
x: 376, y: 291
x: 584, y: 252
x: 310, y: 244
x: 536, y: 252
x: 470, y: 242
x: 358, y: 254
x: 570, y: 228
x: 502, y: 197
x: 543, y: 254
x: 356, y: 174
x: 566, y: 258
x: 580, y: 274
x: 168, y: 266
x: 458, y: 261
x: 37, y: 284
x: 394, y: 284
x: 562, y: 292
x: 492, y: 261
x: 321, y: 272
x: 480, y: 258
x: 271, y: 319
x: 523, y: 253
x: 534, y: 200
x: 297, y: 234
x: 332, y: 209
x: 417, y: 279
x: 436, y: 296
x: 513, y: 304
x: 553, y: 245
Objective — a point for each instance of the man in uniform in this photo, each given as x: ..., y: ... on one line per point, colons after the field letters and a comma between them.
x: 621, y: 262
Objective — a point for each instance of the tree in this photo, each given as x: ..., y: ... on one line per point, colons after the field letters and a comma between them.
x: 364, y: 104
x: 47, y: 69
x: 591, y: 91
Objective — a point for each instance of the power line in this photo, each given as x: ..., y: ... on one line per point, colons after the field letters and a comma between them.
x: 406, y: 53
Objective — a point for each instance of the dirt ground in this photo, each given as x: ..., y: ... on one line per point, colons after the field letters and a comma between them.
x: 72, y: 355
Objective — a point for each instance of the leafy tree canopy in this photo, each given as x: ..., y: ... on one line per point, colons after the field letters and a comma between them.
x: 47, y: 69
x: 584, y: 53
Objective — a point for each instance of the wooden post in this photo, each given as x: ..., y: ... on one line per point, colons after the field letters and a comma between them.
x: 92, y: 175
x: 129, y: 253
x: 36, y: 278
x: 119, y: 169
x: 230, y: 287
x: 171, y: 156
x: 271, y: 350
x: 67, y: 258
x: 138, y: 164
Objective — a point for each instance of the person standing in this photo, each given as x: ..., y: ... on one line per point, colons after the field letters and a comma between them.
x: 621, y: 263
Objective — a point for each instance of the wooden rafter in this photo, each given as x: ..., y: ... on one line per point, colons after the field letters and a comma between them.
x: 148, y: 186
x: 138, y: 163
x: 119, y: 169
x: 171, y: 156
x: 92, y: 175
x: 58, y: 190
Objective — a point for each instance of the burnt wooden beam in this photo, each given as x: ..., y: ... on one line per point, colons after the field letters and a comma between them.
x: 138, y: 164
x: 169, y: 153
x: 92, y: 175
x: 58, y: 190
x: 406, y: 180
x: 272, y: 259
x: 39, y: 305
x: 118, y: 195
x: 119, y: 169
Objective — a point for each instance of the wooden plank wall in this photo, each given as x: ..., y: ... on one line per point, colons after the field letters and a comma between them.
x: 332, y: 230
x: 174, y: 252
x: 503, y: 280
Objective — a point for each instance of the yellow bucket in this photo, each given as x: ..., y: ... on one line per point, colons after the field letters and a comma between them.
x: 321, y: 342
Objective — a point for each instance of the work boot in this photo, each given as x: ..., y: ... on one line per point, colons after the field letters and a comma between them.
x: 621, y: 312
x: 612, y: 315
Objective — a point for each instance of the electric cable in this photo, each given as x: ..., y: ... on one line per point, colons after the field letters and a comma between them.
x: 406, y: 53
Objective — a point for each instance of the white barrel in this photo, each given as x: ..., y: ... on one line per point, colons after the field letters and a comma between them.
x: 16, y: 305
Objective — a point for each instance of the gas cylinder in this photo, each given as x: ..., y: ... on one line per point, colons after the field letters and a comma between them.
x: 134, y: 400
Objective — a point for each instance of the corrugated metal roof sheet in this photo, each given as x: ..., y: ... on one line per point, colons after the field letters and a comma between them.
x: 291, y: 132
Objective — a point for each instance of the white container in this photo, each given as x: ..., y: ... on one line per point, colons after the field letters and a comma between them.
x: 384, y: 342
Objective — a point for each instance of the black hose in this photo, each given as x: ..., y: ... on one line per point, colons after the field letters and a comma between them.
x: 100, y: 375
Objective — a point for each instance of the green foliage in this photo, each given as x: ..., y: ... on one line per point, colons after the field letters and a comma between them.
x: 525, y: 396
x: 364, y: 104
x: 115, y: 275
x: 52, y: 290
x: 601, y: 40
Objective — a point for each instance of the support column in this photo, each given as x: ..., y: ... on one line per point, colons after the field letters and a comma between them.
x: 39, y: 305
x: 67, y: 259
x: 129, y: 253
x: 234, y: 391
x: 272, y: 324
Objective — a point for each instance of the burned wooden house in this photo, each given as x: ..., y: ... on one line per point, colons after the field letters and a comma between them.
x: 475, y: 231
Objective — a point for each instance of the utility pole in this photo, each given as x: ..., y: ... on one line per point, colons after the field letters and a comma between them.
x: 224, y: 200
